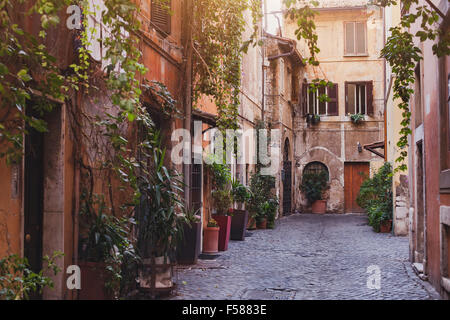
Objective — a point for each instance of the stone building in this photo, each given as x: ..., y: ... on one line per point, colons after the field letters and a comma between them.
x: 285, y: 68
x: 350, y: 37
x: 429, y: 160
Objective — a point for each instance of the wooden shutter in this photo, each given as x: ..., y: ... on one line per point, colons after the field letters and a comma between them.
x: 305, y: 98
x: 161, y: 17
x: 349, y: 34
x: 360, y: 38
x: 369, y: 89
x: 333, y: 104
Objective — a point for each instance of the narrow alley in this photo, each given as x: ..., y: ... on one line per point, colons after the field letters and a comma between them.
x: 307, y: 257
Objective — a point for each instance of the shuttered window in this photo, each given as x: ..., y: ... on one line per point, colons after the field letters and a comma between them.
x: 160, y: 15
x: 355, y: 39
x: 359, y: 98
x: 313, y: 105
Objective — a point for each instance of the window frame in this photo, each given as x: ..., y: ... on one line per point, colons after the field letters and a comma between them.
x: 368, y: 100
x: 166, y: 30
x: 355, y: 53
x: 317, y: 102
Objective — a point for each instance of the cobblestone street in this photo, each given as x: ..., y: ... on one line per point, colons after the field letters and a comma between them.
x: 307, y: 257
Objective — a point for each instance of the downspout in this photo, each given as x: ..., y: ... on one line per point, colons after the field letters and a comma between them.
x: 263, y: 54
x: 188, y: 97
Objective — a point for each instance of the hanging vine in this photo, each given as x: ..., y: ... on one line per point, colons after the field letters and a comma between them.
x: 402, y: 54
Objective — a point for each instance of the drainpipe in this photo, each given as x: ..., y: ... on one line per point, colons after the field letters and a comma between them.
x: 263, y: 50
x: 188, y: 97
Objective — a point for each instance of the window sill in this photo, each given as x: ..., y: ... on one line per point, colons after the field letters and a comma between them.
x: 356, y: 55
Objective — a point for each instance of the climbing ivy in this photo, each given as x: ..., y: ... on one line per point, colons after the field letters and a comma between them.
x: 402, y: 54
x: 217, y: 31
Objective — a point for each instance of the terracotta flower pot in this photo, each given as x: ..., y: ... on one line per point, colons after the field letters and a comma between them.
x: 262, y: 224
x: 386, y: 226
x: 251, y: 224
x: 189, y: 248
x: 319, y: 206
x: 224, y: 223
x: 93, y: 279
x: 238, y: 224
x: 211, y: 240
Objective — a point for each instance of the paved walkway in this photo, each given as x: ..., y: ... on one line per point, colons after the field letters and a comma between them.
x: 307, y: 257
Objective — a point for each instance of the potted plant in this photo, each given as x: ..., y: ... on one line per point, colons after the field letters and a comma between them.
x: 312, y: 118
x: 375, y: 196
x: 104, y: 244
x: 314, y: 185
x: 356, y: 118
x: 239, y: 219
x: 158, y: 223
x: 222, y: 201
x: 211, y: 237
x: 188, y: 249
x: 271, y: 207
x: 260, y: 192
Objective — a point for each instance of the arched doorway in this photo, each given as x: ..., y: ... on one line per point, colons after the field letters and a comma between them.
x: 287, y: 180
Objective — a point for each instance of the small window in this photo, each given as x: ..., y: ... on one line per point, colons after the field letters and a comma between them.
x: 316, y: 167
x: 315, y: 106
x: 358, y: 98
x: 160, y: 16
x: 355, y: 39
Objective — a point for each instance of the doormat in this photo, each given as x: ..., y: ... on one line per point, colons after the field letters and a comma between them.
x: 204, y: 256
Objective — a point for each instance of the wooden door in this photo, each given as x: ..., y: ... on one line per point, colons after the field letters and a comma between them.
x: 354, y: 175
x: 287, y: 190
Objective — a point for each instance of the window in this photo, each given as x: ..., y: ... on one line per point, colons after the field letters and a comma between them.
x: 355, y: 39
x: 312, y: 105
x: 160, y: 17
x: 316, y: 167
x: 418, y: 97
x: 444, y: 120
x: 358, y: 98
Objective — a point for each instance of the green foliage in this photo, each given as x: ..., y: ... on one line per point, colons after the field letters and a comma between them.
x: 357, y: 118
x: 269, y: 210
x: 217, y: 30
x: 314, y: 185
x: 222, y: 200
x: 262, y: 197
x: 240, y: 192
x: 18, y: 281
x: 105, y: 239
x: 159, y: 227
x: 402, y: 55
x: 375, y: 196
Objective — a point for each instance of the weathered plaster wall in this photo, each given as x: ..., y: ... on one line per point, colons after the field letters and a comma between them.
x: 335, y: 139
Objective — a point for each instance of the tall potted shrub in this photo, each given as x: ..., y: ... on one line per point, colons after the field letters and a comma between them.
x: 104, y: 246
x: 222, y: 201
x: 260, y: 192
x: 375, y: 196
x: 159, y: 225
x: 188, y: 249
x: 313, y: 186
x: 240, y: 215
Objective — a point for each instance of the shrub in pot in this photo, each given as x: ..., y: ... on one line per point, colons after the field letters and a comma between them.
x: 375, y: 196
x: 188, y: 249
x: 313, y: 186
x: 104, y: 246
x: 222, y: 201
x: 158, y: 222
x: 260, y: 192
x: 211, y: 237
x: 239, y: 218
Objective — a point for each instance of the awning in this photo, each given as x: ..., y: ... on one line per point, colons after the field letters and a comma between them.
x: 377, y: 145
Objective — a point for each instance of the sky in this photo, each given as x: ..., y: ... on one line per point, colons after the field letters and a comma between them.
x: 273, y: 5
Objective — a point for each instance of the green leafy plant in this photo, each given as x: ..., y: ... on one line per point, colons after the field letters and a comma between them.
x: 269, y: 210
x: 314, y: 185
x: 261, y: 187
x: 240, y: 192
x: 18, y: 281
x: 222, y: 200
x: 106, y: 239
x: 357, y: 118
x: 375, y: 196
